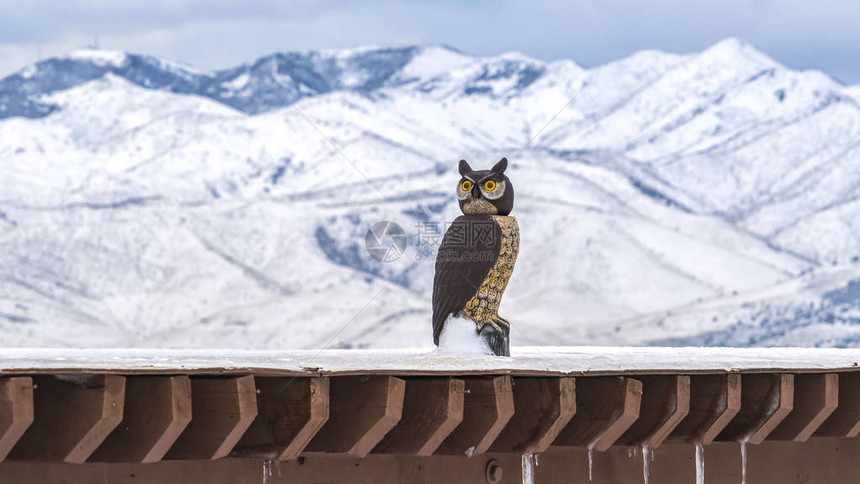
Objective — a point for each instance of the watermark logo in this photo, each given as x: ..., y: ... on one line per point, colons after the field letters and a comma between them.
x: 469, y: 241
x: 385, y: 241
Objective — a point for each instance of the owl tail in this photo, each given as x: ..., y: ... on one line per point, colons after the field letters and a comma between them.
x: 496, y: 340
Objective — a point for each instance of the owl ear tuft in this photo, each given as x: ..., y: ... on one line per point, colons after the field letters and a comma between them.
x: 465, y: 168
x: 500, y: 167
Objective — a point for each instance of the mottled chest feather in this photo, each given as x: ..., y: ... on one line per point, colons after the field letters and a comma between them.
x: 483, y: 307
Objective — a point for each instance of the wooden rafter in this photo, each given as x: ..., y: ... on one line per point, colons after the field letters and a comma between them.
x: 144, y: 419
x: 714, y: 402
x: 16, y: 411
x: 362, y: 411
x: 766, y: 399
x: 157, y: 410
x: 72, y: 416
x: 605, y: 408
x: 432, y: 409
x: 291, y: 412
x: 222, y: 408
x: 815, y: 399
x: 665, y: 403
x: 488, y: 408
x: 845, y: 420
x: 543, y: 407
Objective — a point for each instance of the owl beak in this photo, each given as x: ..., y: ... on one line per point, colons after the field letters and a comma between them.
x: 476, y: 192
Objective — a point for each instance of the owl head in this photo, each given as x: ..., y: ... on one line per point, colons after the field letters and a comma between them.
x: 485, y: 191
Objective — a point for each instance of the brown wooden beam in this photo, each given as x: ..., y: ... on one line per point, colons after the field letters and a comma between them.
x: 16, y: 411
x: 221, y: 411
x: 766, y: 400
x: 72, y: 417
x: 815, y: 399
x: 816, y: 461
x: 544, y: 406
x: 665, y: 403
x: 605, y: 408
x: 291, y: 412
x: 432, y: 409
x: 488, y: 407
x: 845, y: 420
x: 157, y: 410
x: 714, y: 402
x: 363, y: 410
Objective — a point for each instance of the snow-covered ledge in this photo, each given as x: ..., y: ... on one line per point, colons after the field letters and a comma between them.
x: 479, y: 416
x: 524, y: 361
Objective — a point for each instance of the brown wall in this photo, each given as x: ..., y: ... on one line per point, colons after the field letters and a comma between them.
x: 818, y: 461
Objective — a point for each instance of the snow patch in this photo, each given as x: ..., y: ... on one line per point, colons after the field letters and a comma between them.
x: 460, y: 337
x: 82, y: 381
x: 99, y: 57
x: 853, y: 91
x: 239, y: 82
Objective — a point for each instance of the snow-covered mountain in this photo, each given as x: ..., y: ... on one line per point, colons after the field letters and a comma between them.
x: 663, y: 199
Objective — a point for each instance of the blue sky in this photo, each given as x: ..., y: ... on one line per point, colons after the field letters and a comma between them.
x: 808, y: 34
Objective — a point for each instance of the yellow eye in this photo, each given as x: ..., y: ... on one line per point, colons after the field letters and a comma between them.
x: 490, y: 185
x: 466, y: 185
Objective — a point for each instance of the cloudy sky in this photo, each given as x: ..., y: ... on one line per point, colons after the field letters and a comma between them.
x: 819, y: 34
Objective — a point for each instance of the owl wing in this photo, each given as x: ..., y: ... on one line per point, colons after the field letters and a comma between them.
x: 468, y: 251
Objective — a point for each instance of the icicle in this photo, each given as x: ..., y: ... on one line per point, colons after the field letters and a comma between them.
x: 470, y: 451
x: 590, y: 462
x: 267, y: 470
x: 700, y: 464
x: 646, y: 462
x: 744, y: 461
x: 528, y: 468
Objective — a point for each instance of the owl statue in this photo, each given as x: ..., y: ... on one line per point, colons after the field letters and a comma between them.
x: 477, y: 256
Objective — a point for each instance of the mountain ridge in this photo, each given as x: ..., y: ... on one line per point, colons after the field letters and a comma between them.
x: 651, y: 191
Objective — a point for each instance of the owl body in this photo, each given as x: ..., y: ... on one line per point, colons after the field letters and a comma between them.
x: 477, y: 256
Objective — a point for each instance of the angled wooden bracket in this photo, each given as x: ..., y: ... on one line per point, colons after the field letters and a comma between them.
x: 766, y: 400
x: 363, y: 409
x: 605, y: 408
x: 432, y: 409
x: 488, y: 407
x: 16, y: 411
x: 816, y: 396
x: 221, y: 411
x: 544, y: 406
x: 845, y: 420
x: 72, y: 416
x: 714, y: 402
x: 157, y: 410
x: 665, y: 403
x: 291, y: 412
